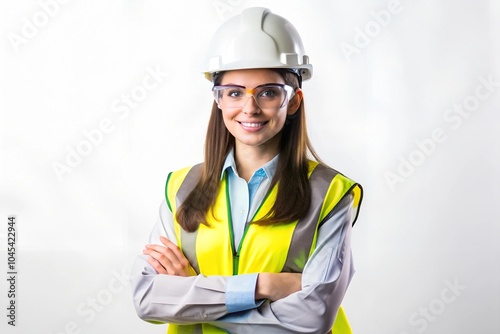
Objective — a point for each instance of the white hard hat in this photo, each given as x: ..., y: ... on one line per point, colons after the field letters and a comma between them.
x: 257, y: 38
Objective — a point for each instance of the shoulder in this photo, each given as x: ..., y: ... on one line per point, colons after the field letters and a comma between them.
x: 184, y: 179
x: 180, y: 174
x: 322, y: 172
x: 333, y: 186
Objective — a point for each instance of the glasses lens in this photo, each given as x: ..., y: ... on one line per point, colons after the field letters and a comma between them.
x: 266, y: 96
x: 270, y: 97
x: 230, y: 96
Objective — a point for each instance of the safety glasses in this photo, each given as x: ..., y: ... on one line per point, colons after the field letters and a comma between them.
x: 267, y: 96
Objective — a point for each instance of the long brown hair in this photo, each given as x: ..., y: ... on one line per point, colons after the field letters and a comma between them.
x: 294, y: 192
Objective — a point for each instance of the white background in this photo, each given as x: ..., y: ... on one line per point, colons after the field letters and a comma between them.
x: 368, y: 110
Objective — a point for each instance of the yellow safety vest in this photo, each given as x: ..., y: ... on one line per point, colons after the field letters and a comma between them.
x: 263, y: 248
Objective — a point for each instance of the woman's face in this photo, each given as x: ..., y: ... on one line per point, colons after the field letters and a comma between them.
x: 250, y: 125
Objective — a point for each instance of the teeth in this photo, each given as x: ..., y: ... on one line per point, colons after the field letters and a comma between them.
x: 252, y: 125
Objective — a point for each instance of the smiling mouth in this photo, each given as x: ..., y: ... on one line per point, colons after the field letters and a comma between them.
x: 253, y: 125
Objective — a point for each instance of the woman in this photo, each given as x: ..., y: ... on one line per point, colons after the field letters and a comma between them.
x: 256, y: 239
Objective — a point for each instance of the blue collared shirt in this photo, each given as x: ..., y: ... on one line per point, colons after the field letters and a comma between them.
x: 245, y: 198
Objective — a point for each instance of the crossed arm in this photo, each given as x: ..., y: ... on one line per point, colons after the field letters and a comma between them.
x: 168, y: 259
x: 283, y: 302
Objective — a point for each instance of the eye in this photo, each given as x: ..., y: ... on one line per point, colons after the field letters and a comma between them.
x: 234, y: 92
x: 270, y: 92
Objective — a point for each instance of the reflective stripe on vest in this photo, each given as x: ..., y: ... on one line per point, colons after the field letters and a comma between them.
x: 263, y: 248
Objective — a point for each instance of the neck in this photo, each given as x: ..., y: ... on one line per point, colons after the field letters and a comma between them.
x: 249, y: 159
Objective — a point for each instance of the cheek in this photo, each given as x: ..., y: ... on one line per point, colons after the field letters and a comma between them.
x: 280, y: 118
x: 227, y: 117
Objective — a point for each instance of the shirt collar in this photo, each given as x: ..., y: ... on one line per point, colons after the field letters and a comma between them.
x: 269, y: 168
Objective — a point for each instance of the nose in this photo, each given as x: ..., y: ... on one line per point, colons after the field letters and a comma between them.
x: 251, y: 107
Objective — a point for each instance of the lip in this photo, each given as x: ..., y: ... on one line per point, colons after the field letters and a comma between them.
x: 252, y: 126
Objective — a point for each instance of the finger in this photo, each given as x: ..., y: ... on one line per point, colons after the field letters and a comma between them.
x: 165, y: 257
x: 156, y: 265
x: 156, y: 248
x: 170, y: 245
x: 176, y: 250
x: 166, y: 252
x: 170, y: 260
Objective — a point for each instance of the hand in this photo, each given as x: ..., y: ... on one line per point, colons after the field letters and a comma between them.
x: 275, y: 286
x: 168, y: 259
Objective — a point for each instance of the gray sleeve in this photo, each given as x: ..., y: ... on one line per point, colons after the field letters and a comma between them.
x: 174, y: 299
x: 325, y: 279
x: 164, y: 226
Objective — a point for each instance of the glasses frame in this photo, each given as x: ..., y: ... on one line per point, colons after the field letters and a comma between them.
x: 289, y: 93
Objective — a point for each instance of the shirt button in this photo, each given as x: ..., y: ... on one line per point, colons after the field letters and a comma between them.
x: 242, y: 211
